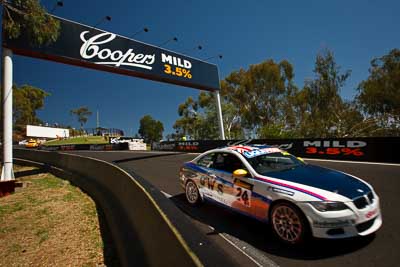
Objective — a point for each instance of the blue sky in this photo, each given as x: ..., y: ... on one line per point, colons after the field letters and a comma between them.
x: 245, y: 32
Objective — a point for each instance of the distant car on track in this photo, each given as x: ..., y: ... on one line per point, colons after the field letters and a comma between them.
x: 32, y: 143
x: 271, y: 185
x: 23, y: 142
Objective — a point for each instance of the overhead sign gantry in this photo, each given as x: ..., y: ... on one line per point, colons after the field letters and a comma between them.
x: 89, y: 47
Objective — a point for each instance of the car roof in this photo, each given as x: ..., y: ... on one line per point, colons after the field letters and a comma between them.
x: 249, y: 151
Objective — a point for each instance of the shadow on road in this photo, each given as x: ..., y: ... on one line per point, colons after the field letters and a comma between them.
x: 146, y: 157
x: 20, y: 174
x: 260, y: 236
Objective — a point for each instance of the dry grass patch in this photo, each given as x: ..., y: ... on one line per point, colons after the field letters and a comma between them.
x: 49, y: 223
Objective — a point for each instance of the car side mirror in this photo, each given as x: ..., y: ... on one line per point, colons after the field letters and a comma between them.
x: 239, y: 173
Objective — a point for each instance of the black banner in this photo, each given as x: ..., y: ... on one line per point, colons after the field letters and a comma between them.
x: 99, y: 147
x: 379, y: 149
x: 89, y: 47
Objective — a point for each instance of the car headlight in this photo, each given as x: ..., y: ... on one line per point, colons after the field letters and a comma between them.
x: 328, y: 205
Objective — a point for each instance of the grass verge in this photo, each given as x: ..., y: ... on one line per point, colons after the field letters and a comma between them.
x: 49, y: 222
x: 78, y: 140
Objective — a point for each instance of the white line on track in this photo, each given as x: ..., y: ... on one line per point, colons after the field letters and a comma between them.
x: 236, y: 243
x: 238, y: 248
x: 166, y: 194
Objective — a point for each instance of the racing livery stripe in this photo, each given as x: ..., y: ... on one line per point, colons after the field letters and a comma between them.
x: 202, y: 170
x: 264, y: 219
x: 261, y: 197
x: 199, y: 169
x: 292, y: 187
x: 195, y: 167
x: 247, y: 148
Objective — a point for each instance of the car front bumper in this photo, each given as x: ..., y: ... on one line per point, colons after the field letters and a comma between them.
x: 346, y: 223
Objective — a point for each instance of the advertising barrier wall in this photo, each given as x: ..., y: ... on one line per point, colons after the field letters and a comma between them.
x: 377, y: 149
x: 98, y: 147
x: 47, y: 132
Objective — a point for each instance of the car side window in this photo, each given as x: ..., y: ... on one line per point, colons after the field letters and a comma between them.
x: 227, y: 162
x: 206, y: 161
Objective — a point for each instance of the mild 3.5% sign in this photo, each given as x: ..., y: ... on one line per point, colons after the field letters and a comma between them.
x: 177, y: 66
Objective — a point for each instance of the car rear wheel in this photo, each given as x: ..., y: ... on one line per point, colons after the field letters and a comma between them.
x: 192, y: 193
x: 288, y: 223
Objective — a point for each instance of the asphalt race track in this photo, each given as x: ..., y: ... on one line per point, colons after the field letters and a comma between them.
x: 249, y: 242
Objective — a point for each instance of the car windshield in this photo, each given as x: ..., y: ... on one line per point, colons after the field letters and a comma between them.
x: 274, y: 162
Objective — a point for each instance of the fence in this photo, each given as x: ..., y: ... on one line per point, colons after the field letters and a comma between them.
x: 379, y: 149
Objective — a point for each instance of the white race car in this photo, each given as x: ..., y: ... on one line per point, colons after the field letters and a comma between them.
x: 271, y: 185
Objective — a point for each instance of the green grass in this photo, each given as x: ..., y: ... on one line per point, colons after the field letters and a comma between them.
x: 42, y: 234
x: 48, y: 182
x: 8, y: 209
x: 78, y: 140
x: 33, y: 218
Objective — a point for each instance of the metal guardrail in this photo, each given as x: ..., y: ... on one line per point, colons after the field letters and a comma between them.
x: 142, y: 233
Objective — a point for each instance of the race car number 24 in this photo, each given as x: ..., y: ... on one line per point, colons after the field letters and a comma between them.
x: 243, y: 195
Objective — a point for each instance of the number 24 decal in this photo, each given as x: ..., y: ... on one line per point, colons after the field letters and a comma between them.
x: 242, y: 195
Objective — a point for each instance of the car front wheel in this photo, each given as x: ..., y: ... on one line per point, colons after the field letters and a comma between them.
x: 288, y: 223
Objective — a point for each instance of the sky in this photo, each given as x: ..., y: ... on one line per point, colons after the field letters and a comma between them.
x: 244, y: 32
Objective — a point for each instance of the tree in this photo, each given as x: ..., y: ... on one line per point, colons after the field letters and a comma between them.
x: 231, y: 117
x: 27, y: 100
x: 188, y: 124
x: 319, y: 103
x: 263, y: 102
x: 260, y: 96
x: 30, y: 18
x: 253, y: 102
x: 150, y: 130
x: 82, y: 114
x: 379, y: 95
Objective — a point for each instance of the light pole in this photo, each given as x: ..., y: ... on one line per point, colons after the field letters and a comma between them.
x: 216, y: 56
x: 175, y: 39
x: 145, y: 29
x: 7, y: 173
x: 58, y: 4
x: 106, y: 18
x: 198, y: 47
x: 218, y: 102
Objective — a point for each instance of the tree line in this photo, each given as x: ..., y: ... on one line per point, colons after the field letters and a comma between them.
x: 27, y: 100
x: 264, y: 102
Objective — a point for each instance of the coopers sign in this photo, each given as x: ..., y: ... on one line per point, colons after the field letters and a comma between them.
x: 91, y: 49
x: 86, y: 46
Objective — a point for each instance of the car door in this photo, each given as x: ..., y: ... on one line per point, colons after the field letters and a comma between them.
x: 237, y: 190
x: 211, y: 185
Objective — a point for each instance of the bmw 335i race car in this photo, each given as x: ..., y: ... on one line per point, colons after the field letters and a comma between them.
x: 271, y: 185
